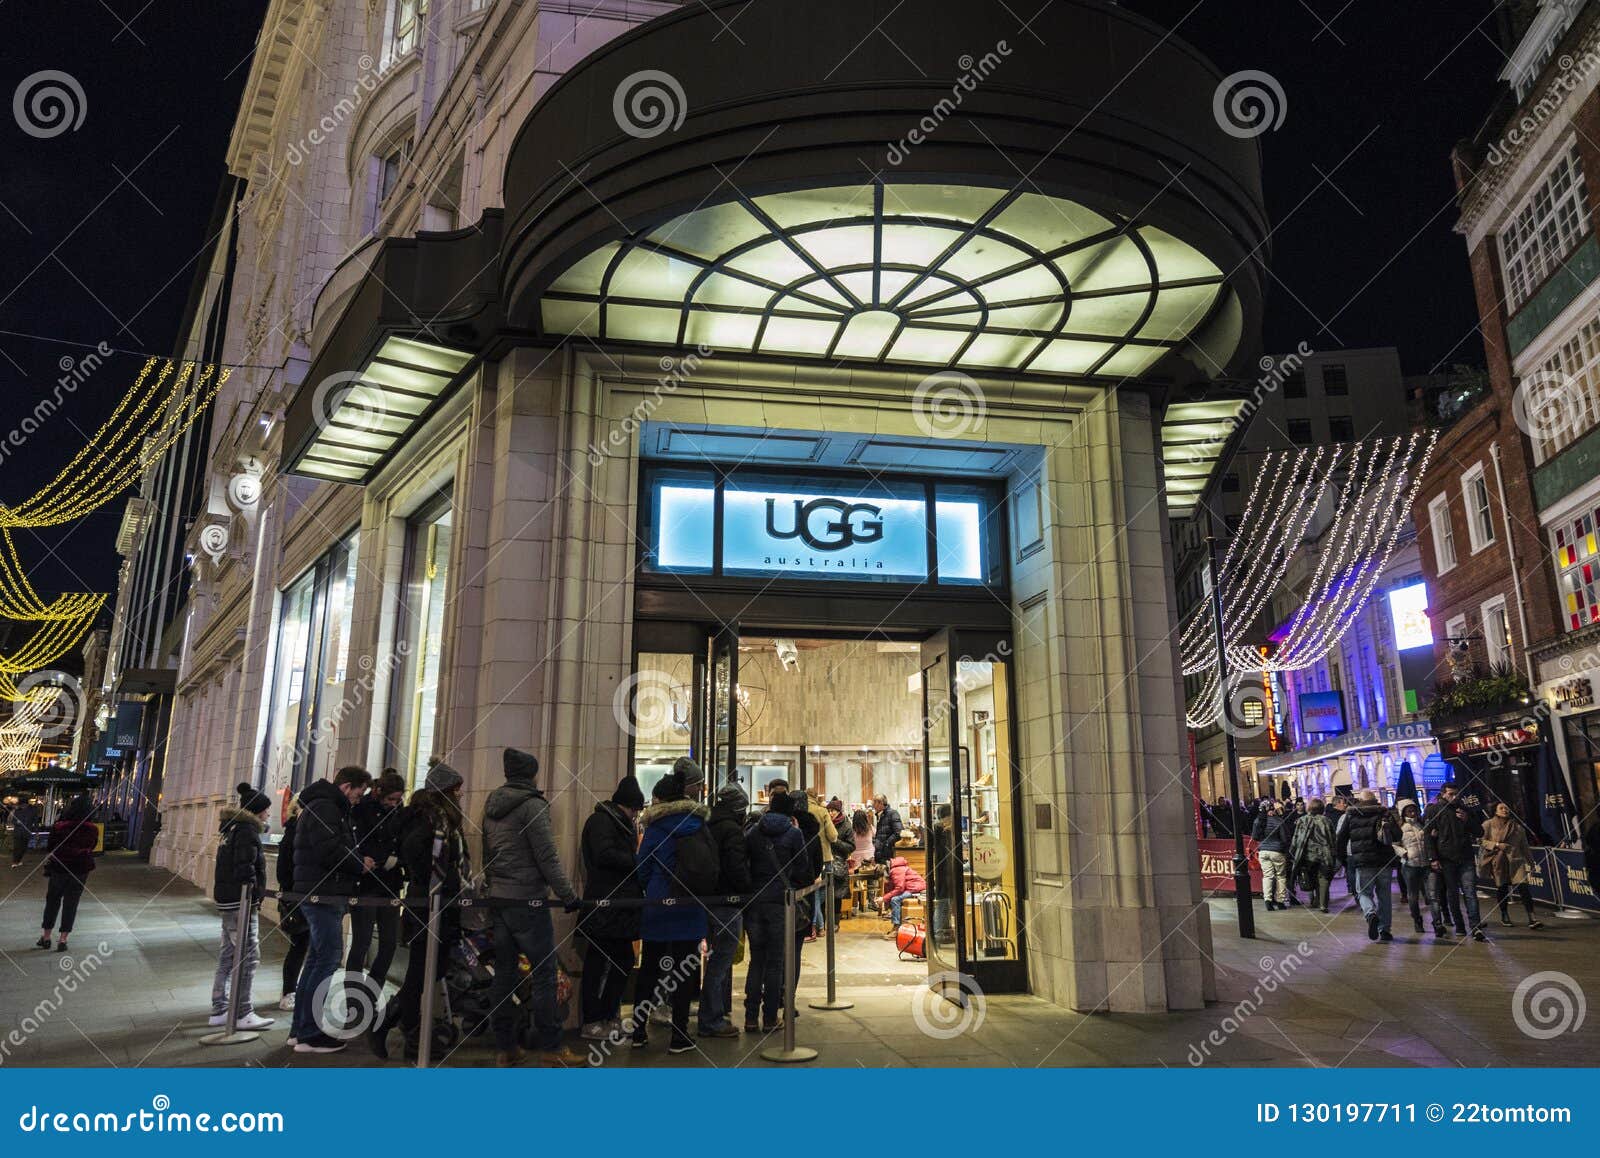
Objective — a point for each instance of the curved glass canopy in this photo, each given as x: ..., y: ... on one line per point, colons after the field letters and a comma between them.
x: 935, y: 275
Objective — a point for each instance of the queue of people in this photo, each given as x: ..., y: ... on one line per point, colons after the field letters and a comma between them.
x: 1437, y: 856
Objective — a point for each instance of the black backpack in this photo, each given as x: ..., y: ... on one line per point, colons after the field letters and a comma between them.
x: 699, y: 867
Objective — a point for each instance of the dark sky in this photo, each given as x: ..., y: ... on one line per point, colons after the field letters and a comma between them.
x: 99, y: 227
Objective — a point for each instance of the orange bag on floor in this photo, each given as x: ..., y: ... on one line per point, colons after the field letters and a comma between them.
x: 912, y: 939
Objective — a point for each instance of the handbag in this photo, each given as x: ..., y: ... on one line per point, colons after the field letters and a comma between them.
x: 911, y: 939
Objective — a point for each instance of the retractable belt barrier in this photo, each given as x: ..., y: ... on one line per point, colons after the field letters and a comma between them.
x: 435, y: 903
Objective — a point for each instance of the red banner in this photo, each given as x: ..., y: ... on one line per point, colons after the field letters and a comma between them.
x: 1216, y: 866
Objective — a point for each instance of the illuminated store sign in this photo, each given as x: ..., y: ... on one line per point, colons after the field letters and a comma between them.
x: 846, y: 530
x: 1408, y: 612
x: 1322, y: 712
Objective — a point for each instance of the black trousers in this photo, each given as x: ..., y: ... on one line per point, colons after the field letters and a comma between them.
x: 363, y: 920
x: 1502, y: 898
x: 607, y: 962
x: 409, y: 1000
x: 668, y: 971
x: 62, y: 893
x: 294, y: 960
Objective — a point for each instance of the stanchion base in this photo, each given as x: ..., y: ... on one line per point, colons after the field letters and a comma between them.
x: 835, y: 1004
x: 237, y: 1037
x: 800, y: 1053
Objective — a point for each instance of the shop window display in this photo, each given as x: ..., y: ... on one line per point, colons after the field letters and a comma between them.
x: 423, y: 593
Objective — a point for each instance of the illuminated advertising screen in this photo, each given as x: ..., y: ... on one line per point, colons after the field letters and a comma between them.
x: 1408, y: 612
x: 1322, y: 712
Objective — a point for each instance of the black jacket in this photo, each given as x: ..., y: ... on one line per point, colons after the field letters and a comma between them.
x: 417, y: 826
x: 1274, y: 833
x: 607, y: 850
x: 285, y: 865
x: 241, y: 859
x: 1448, y: 837
x: 777, y: 858
x: 325, y: 859
x: 1358, y: 835
x: 727, y: 829
x: 811, y: 833
x: 378, y: 836
x: 884, y: 836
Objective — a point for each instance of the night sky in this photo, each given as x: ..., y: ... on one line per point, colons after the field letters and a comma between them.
x: 99, y: 227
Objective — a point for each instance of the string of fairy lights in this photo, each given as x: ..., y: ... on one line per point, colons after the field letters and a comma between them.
x: 164, y: 401
x: 1370, y: 487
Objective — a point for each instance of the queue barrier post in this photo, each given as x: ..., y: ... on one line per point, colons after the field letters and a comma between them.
x: 828, y: 910
x: 789, y: 1051
x: 231, y: 1034
x: 430, y: 966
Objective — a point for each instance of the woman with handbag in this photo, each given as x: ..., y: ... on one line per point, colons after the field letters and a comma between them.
x: 1503, y: 857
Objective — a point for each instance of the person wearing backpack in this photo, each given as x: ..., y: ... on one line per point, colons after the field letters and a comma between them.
x: 778, y: 862
x: 677, y: 858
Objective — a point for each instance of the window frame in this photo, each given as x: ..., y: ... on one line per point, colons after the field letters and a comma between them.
x: 1444, y: 534
x: 1498, y: 649
x: 1546, y: 226
x: 1480, y: 535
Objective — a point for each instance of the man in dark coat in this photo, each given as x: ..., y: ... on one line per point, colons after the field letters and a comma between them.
x: 607, y: 850
x: 887, y: 832
x: 1366, y: 837
x: 726, y: 922
x: 377, y: 824
x: 777, y: 862
x: 326, y: 864
x: 1449, y: 830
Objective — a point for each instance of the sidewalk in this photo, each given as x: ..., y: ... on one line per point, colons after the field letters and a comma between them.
x: 142, y: 1000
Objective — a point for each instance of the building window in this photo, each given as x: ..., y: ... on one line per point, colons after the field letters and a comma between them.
x: 1562, y: 398
x: 1544, y: 229
x: 1444, y: 536
x: 1300, y: 431
x: 1455, y: 631
x: 1253, y: 711
x: 405, y: 18
x: 1577, y: 562
x: 1342, y: 428
x: 305, y: 705
x: 1294, y: 385
x: 1480, y: 519
x: 1335, y: 381
x: 420, y: 635
x: 1496, y: 633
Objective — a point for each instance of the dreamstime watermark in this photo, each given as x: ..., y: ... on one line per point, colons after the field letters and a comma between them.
x: 75, y: 973
x: 348, y: 1004
x: 49, y: 103
x: 1549, y: 1004
x: 1572, y: 73
x: 1249, y: 103
x: 355, y: 694
x: 1552, y: 408
x: 160, y: 1118
x: 675, y: 371
x: 973, y: 73
x: 58, y: 714
x: 674, y: 974
x: 948, y: 404
x: 74, y: 373
x: 1274, y: 373
x: 950, y: 1005
x: 1244, y: 705
x: 342, y: 399
x: 345, y: 108
x: 650, y: 702
x: 1275, y: 972
x: 648, y: 103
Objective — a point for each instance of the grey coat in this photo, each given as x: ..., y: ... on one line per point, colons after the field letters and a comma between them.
x: 519, y: 847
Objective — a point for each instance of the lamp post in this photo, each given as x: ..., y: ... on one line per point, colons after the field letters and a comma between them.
x: 1241, y: 862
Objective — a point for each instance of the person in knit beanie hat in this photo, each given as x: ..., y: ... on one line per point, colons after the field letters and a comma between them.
x: 629, y: 794
x: 690, y: 776
x: 241, y: 863
x: 444, y: 779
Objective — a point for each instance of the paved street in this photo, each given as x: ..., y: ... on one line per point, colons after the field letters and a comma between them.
x: 1350, y: 1002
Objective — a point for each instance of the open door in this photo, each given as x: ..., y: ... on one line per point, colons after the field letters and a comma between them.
x: 666, y: 711
x: 972, y: 808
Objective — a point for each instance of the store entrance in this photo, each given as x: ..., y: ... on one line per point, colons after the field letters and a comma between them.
x: 907, y: 732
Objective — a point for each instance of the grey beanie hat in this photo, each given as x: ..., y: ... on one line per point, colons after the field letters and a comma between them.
x: 442, y: 777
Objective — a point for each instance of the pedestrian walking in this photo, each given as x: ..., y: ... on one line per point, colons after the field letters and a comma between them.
x: 521, y: 863
x: 1450, y: 829
x: 1503, y: 857
x: 887, y: 832
x: 777, y: 862
x: 327, y: 865
x: 1418, y: 874
x: 376, y: 818
x: 676, y: 858
x: 725, y: 922
x: 241, y: 862
x: 1273, y: 833
x: 1367, y: 836
x: 1312, y: 853
x: 607, y: 848
x: 69, y: 859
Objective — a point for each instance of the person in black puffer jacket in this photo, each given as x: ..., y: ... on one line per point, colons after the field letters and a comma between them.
x: 1274, y: 834
x: 1449, y: 829
x: 241, y: 862
x: 725, y: 923
x: 1366, y: 837
x: 291, y: 921
x: 777, y: 862
x: 606, y: 850
x: 377, y: 824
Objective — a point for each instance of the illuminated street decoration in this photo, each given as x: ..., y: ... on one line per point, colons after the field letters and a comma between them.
x: 930, y: 275
x: 1379, y: 483
x: 151, y: 416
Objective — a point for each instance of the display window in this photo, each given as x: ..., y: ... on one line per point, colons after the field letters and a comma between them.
x: 424, y: 590
x: 305, y: 706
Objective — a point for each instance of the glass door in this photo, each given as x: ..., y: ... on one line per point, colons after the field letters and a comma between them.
x: 973, y: 867
x: 724, y: 700
x: 666, y: 709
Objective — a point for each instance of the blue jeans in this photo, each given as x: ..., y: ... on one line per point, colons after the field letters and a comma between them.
x: 1459, y: 881
x: 1373, y: 887
x: 532, y: 933
x: 716, y: 989
x: 325, y: 924
x: 895, y: 903
x: 763, y: 985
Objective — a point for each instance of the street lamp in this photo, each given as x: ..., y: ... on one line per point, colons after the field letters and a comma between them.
x: 1241, y: 862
